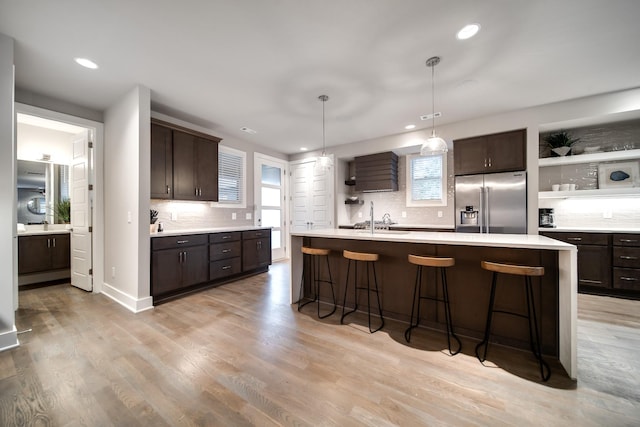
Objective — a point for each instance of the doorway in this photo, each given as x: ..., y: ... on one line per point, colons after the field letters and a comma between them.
x: 270, y: 199
x: 75, y: 145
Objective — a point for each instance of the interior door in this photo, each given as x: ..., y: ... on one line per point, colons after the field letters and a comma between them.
x: 81, y: 206
x: 270, y: 198
x: 312, y: 199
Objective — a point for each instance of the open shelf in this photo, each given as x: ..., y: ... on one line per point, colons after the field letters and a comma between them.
x: 602, y: 192
x: 608, y: 156
x: 353, y: 202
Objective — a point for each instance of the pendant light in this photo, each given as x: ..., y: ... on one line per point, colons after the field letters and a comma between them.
x: 435, y: 144
x: 323, y: 162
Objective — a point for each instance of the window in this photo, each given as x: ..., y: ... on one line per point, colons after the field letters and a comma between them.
x: 427, y: 180
x: 231, y: 177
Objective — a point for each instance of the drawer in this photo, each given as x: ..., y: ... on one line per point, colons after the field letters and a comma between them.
x: 255, y: 234
x: 582, y: 238
x: 628, y: 257
x: 171, y: 242
x: 231, y: 236
x: 225, y: 250
x: 626, y: 239
x: 626, y: 278
x: 224, y: 268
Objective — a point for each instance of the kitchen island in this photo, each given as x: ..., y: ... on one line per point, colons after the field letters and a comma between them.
x: 556, y: 291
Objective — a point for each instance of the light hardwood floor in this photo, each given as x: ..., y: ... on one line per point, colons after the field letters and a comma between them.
x: 241, y: 355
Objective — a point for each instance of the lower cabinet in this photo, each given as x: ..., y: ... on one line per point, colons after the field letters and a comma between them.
x: 42, y: 253
x: 608, y: 263
x: 181, y: 264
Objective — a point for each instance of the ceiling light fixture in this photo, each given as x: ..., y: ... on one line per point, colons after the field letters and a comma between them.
x: 435, y: 144
x: 323, y: 162
x: 409, y: 127
x: 87, y: 63
x: 468, y: 31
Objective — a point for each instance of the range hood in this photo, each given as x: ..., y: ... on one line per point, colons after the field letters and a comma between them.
x: 377, y: 172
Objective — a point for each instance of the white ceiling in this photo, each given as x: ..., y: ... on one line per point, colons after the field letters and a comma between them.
x: 226, y: 64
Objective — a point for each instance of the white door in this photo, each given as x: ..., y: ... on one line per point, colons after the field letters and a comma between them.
x: 312, y: 198
x: 270, y: 199
x: 81, y: 205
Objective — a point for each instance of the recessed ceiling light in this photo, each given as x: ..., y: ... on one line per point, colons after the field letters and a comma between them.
x: 468, y: 31
x: 248, y: 130
x: 87, y: 63
x: 409, y: 127
x: 303, y: 148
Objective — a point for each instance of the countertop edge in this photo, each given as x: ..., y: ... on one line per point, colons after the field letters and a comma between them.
x: 587, y: 230
x: 205, y: 231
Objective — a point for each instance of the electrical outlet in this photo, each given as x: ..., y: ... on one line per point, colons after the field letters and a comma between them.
x: 113, y: 272
x: 359, y: 214
x: 247, y: 215
x: 607, y: 213
x: 233, y: 215
x: 174, y: 216
x: 404, y: 214
x: 439, y: 214
x: 129, y: 217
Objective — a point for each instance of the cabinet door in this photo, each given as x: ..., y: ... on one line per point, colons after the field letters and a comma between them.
x: 206, y: 167
x: 506, y: 152
x: 256, y: 253
x: 594, y: 266
x: 166, y: 271
x: 60, y: 251
x: 33, y: 254
x: 195, y: 266
x: 161, y: 162
x: 469, y: 155
x: 184, y: 175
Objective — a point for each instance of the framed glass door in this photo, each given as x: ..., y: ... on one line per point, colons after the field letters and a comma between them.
x: 270, y: 198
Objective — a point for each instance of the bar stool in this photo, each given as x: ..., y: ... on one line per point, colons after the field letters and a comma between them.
x: 312, y: 255
x: 527, y: 272
x: 440, y: 264
x: 369, y: 260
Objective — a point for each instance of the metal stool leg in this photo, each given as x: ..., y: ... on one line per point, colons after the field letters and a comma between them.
x: 346, y: 287
x: 309, y: 261
x: 536, y: 348
x: 375, y: 282
x: 487, y: 329
x: 447, y: 313
x: 330, y: 282
x: 417, y: 292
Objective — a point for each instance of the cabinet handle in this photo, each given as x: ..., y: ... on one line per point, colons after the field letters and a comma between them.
x: 185, y: 257
x: 180, y: 257
x: 628, y: 279
x: 258, y: 234
x: 54, y: 242
x: 590, y: 281
x: 226, y: 251
x: 180, y: 242
x: 575, y: 239
x: 168, y: 189
x: 199, y: 191
x: 259, y: 244
x: 226, y: 237
x: 226, y: 267
x: 485, y: 162
x: 628, y: 257
x: 48, y: 243
x: 628, y: 240
x: 489, y: 161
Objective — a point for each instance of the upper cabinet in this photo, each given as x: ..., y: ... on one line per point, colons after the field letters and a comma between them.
x: 184, y: 163
x: 377, y: 172
x: 500, y: 152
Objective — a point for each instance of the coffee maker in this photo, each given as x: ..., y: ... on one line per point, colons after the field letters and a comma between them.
x: 545, y: 218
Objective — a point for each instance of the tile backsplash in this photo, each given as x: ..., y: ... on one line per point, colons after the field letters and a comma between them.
x: 190, y: 215
x: 585, y: 212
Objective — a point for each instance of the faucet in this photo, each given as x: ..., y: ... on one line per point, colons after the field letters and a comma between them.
x: 386, y: 219
x: 372, y: 222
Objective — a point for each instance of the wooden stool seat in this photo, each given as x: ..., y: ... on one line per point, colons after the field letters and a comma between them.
x: 313, y: 255
x: 518, y: 270
x: 315, y: 251
x: 370, y: 266
x: 429, y: 261
x: 526, y: 271
x: 360, y: 256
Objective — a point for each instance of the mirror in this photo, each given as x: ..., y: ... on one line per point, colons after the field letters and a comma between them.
x: 42, y: 189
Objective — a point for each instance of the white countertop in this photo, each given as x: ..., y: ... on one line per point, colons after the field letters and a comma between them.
x: 420, y: 226
x: 167, y: 233
x: 524, y: 241
x: 590, y: 230
x: 42, y: 232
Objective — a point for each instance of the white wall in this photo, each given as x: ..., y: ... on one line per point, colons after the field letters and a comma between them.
x: 126, y: 201
x: 8, y: 241
x: 34, y: 141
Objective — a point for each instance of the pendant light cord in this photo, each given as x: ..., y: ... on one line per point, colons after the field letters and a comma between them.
x: 323, y: 145
x: 433, y: 101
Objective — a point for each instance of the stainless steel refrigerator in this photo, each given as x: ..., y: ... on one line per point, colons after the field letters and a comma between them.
x: 492, y: 203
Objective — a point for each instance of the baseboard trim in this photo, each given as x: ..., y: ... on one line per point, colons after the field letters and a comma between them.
x: 9, y: 339
x: 135, y: 305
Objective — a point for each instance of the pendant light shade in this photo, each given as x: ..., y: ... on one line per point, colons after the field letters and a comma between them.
x: 435, y: 144
x: 324, y: 162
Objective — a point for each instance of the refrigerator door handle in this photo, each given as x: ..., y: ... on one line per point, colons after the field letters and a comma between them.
x: 481, y: 210
x: 487, y: 204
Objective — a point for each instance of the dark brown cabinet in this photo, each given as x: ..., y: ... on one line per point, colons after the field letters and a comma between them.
x: 185, y: 263
x: 161, y: 162
x: 43, y: 253
x: 256, y: 249
x: 225, y: 255
x: 184, y: 163
x: 178, y: 262
x: 501, y: 152
x: 377, y: 172
x: 626, y: 261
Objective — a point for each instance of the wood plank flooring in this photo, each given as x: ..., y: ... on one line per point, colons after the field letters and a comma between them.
x: 241, y: 355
